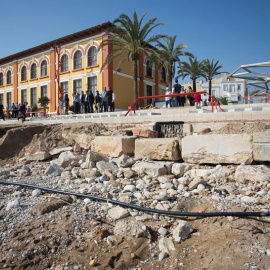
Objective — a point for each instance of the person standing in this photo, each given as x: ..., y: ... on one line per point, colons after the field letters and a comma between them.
x: 66, y: 103
x: 168, y: 100
x: 76, y: 103
x: 104, y: 101
x: 182, y: 98
x: 109, y: 95
x: 90, y: 101
x: 86, y: 105
x: 197, y: 100
x: 2, y: 115
x: 97, y: 101
x: 22, y: 111
x: 82, y: 100
x: 13, y: 108
x: 113, y: 100
x: 17, y: 106
x: 176, y: 90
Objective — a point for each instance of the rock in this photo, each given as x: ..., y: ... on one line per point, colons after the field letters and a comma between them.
x: 36, y: 193
x: 39, y: 156
x: 253, y: 173
x: 89, y: 173
x: 162, y: 196
x: 197, y: 181
x: 144, y: 133
x: 95, y: 157
x: 216, y: 148
x: 65, y: 174
x: 131, y: 228
x: 128, y: 173
x: 23, y: 172
x: 125, y: 161
x: 114, y: 146
x: 50, y: 206
x: 249, y: 200
x: 75, y: 172
x: 261, y: 146
x: 57, y: 151
x: 118, y: 213
x: 158, y: 149
x: 13, y: 204
x: 130, y: 188
x: 179, y: 169
x: 111, y: 240
x: 162, y: 256
x: 201, y: 187
x: 166, y: 244
x: 103, y: 166
x: 54, y: 169
x: 182, y: 230
x: 65, y: 158
x: 152, y: 169
x: 4, y: 172
x: 162, y: 231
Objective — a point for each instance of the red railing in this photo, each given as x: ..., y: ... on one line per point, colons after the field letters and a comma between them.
x: 214, y: 101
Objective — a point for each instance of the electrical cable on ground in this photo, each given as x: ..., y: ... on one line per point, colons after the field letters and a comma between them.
x: 139, y: 208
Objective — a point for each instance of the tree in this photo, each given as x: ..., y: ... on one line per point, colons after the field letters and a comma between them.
x: 44, y: 101
x: 170, y: 53
x: 211, y: 69
x: 193, y: 68
x: 129, y: 38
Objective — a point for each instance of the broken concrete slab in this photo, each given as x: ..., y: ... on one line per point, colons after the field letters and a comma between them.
x: 261, y: 146
x: 158, y: 149
x: 114, y: 146
x: 217, y: 148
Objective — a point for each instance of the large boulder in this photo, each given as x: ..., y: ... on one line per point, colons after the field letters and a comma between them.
x: 158, y: 149
x: 216, y: 148
x: 114, y: 146
x: 57, y: 151
x: 144, y: 133
x: 131, y: 228
x: 103, y: 166
x: 38, y: 156
x: 261, y: 146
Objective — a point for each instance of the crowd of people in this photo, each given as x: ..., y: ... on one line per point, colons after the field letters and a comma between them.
x: 181, y: 101
x: 15, y: 111
x: 88, y: 102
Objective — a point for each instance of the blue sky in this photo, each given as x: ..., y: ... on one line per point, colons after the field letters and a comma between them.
x: 235, y: 32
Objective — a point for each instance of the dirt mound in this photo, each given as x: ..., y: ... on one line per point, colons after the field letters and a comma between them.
x: 239, y: 128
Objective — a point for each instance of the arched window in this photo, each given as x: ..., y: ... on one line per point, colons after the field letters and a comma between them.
x: 9, y: 77
x: 77, y: 61
x: 148, y: 68
x: 64, y: 63
x: 43, y: 69
x: 163, y: 74
x: 92, y: 56
x: 1, y: 79
x: 33, y: 71
x: 23, y: 74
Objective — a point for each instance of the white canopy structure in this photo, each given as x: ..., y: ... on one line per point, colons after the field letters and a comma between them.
x: 257, y: 75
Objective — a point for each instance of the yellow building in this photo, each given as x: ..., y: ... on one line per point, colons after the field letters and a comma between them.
x: 73, y: 62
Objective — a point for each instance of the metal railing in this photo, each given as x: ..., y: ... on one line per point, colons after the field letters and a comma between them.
x: 214, y: 101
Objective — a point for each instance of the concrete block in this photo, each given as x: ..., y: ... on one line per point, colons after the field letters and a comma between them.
x: 216, y: 149
x: 114, y: 146
x: 261, y: 146
x: 158, y: 148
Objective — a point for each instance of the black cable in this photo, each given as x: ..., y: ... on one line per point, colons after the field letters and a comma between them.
x: 132, y: 206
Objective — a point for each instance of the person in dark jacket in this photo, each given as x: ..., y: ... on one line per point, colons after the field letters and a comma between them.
x: 90, y: 101
x: 66, y: 100
x: 97, y: 101
x: 2, y: 115
x: 22, y: 111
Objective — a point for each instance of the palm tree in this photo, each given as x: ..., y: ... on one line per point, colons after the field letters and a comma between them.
x: 129, y: 38
x: 170, y: 53
x: 193, y: 68
x: 211, y: 69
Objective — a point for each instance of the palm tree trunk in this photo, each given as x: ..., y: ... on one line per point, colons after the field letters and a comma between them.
x: 210, y: 87
x: 170, y: 77
x: 135, y: 78
x: 194, y: 85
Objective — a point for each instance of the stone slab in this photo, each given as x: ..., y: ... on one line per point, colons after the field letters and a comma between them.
x: 217, y: 148
x: 158, y: 149
x: 261, y: 146
x: 114, y: 146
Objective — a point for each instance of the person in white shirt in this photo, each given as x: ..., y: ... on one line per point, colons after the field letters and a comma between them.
x: 168, y: 100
